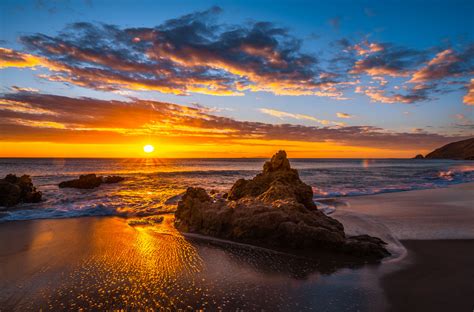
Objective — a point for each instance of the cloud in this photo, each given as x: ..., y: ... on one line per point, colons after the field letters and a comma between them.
x: 31, y: 116
x: 469, y: 97
x: 190, y: 54
x: 196, y: 53
x: 445, y: 64
x: 386, y: 60
x: 344, y: 115
x: 282, y: 115
x: 11, y: 58
x: 377, y: 94
x: 368, y: 48
x: 23, y: 89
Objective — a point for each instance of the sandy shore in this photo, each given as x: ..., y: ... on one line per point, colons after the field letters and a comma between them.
x: 443, y: 213
x: 103, y: 263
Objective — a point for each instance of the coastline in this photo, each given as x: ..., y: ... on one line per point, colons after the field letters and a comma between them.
x: 103, y: 263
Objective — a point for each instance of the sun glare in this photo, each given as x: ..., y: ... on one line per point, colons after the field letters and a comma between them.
x: 148, y: 148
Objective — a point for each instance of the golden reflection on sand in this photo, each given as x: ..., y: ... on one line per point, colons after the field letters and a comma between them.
x: 123, y: 266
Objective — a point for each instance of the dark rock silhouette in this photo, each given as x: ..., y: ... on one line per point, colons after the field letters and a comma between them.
x: 90, y: 181
x: 274, y: 209
x: 419, y: 156
x: 15, y: 190
x: 460, y: 150
x: 112, y: 179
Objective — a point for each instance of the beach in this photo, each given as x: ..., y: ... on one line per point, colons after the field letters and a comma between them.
x: 104, y: 263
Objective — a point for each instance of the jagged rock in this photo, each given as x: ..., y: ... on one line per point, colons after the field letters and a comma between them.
x: 277, y: 181
x: 419, y: 156
x: 90, y: 181
x: 462, y: 150
x: 15, y: 190
x: 271, y: 210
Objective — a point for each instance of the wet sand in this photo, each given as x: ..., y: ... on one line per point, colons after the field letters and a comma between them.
x: 102, y: 263
x: 436, y: 275
x: 443, y: 213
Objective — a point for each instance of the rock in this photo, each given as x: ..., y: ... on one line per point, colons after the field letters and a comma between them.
x: 419, y: 156
x: 277, y: 181
x: 461, y: 150
x: 90, y: 181
x: 173, y: 200
x: 112, y: 179
x: 87, y: 181
x: 15, y: 190
x: 273, y: 210
x: 365, y: 245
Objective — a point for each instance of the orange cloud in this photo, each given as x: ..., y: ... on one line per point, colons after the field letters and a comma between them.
x: 30, y: 117
x: 344, y: 115
x: 469, y: 97
x: 436, y: 68
x: 282, y: 115
x: 368, y: 48
x: 11, y: 58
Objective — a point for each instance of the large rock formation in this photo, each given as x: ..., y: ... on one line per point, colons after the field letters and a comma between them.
x: 90, y: 181
x: 461, y: 150
x: 274, y: 209
x: 15, y: 190
x: 277, y: 181
x: 419, y: 156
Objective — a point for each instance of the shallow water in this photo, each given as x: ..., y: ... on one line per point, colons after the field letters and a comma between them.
x: 150, y: 182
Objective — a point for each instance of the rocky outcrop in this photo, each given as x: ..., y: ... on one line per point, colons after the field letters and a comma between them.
x: 90, y: 181
x: 460, y: 150
x: 419, y: 156
x: 15, y: 190
x: 277, y: 181
x: 274, y: 209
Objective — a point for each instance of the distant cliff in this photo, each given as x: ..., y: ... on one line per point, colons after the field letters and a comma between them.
x: 457, y: 150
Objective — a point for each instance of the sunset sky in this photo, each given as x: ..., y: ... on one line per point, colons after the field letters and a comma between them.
x: 234, y: 79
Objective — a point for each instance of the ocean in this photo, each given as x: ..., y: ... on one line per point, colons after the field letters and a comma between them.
x: 153, y: 186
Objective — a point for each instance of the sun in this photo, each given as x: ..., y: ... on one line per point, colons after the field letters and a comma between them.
x: 148, y: 148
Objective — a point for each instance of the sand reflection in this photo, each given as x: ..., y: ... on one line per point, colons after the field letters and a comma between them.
x: 105, y: 264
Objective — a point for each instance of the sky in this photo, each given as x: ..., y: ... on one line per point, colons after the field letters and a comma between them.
x: 355, y: 79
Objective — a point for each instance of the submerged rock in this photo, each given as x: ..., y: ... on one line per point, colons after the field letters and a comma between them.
x: 15, y: 190
x: 112, y: 179
x: 274, y: 209
x: 90, y: 181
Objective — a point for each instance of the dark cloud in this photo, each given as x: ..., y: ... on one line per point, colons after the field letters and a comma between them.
x: 192, y: 53
x: 387, y: 60
x: 196, y: 53
x: 27, y: 116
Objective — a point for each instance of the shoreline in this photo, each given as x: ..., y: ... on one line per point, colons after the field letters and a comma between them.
x: 442, y: 213
x: 44, y: 261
